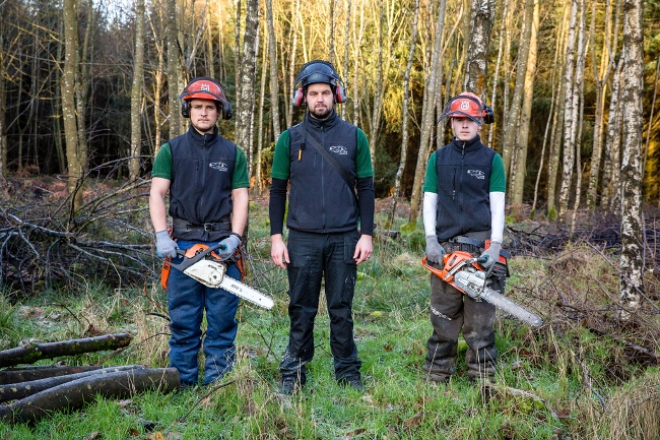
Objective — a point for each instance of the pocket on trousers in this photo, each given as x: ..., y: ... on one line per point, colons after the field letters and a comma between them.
x: 350, y: 242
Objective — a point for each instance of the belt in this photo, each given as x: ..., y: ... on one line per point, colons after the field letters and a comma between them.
x: 464, y: 244
x: 181, y: 225
x: 466, y: 240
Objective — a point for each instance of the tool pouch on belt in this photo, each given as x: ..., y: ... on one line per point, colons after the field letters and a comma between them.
x: 239, y: 257
x: 165, y: 271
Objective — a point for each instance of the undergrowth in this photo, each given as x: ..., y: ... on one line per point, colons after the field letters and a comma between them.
x: 581, y: 375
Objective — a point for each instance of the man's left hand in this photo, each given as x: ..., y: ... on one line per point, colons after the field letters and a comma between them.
x: 363, y: 249
x: 491, y: 255
x: 228, y: 247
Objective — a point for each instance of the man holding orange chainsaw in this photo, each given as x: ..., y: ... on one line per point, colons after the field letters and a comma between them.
x: 464, y: 195
x: 207, y: 180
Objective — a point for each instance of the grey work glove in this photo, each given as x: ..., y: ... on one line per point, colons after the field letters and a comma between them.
x: 165, y: 246
x: 491, y: 255
x: 434, y: 252
x: 228, y: 247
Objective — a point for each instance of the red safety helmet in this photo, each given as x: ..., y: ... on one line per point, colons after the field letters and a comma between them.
x: 468, y: 105
x: 205, y: 88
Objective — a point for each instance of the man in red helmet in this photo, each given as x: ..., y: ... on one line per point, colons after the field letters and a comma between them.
x: 207, y: 180
x: 464, y: 195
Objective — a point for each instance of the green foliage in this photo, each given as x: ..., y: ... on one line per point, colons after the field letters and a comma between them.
x: 552, y: 214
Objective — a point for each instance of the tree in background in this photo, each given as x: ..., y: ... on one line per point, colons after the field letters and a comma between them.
x: 632, y: 227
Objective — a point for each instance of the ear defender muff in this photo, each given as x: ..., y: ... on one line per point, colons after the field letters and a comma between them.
x: 298, y: 96
x: 340, y: 94
x: 489, y: 114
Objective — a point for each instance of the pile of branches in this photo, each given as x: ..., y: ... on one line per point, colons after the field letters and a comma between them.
x: 44, y: 243
x: 602, y: 230
x: 30, y: 393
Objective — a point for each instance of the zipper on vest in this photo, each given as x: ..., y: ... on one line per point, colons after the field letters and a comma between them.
x: 323, y: 178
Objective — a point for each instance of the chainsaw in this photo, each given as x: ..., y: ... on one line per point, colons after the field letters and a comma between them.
x: 202, y: 264
x: 464, y: 272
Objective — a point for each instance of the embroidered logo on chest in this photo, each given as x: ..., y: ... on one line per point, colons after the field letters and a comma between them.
x: 477, y: 174
x: 219, y: 166
x: 339, y: 149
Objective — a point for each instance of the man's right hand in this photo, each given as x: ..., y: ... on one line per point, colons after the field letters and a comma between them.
x: 278, y: 251
x: 434, y: 252
x: 165, y: 246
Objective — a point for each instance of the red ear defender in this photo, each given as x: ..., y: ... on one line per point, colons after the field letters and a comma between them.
x: 340, y: 94
x: 297, y: 99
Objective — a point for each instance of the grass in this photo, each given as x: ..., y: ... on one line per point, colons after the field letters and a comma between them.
x: 562, y: 381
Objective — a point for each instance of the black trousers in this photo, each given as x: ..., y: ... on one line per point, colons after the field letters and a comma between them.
x: 314, y: 257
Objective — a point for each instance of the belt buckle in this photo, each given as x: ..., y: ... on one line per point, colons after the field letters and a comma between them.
x: 208, y: 227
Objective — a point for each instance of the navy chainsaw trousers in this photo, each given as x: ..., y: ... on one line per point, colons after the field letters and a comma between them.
x: 314, y: 257
x: 188, y: 300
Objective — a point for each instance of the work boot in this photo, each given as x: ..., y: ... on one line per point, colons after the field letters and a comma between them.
x: 352, y: 381
x: 289, y: 386
x: 435, y: 375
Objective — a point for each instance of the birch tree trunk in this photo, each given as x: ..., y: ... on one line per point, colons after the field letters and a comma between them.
x: 427, y: 117
x: 521, y: 69
x: 173, y: 69
x: 292, y: 61
x: 481, y: 25
x: 551, y: 123
x: 262, y: 98
x: 522, y: 143
x: 136, y: 92
x: 570, y: 105
x: 378, y: 93
x: 247, y: 75
x: 404, y: 127
x: 612, y: 165
x: 347, y: 46
x: 601, y: 83
x: 632, y: 228
x: 505, y: 13
x: 74, y: 165
x: 274, y: 87
x: 579, y: 104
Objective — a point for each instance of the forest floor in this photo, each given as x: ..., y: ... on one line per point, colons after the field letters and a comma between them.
x: 583, y: 374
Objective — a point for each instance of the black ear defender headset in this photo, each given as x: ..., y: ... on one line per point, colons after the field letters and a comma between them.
x: 205, y: 87
x: 470, y: 106
x: 314, y: 72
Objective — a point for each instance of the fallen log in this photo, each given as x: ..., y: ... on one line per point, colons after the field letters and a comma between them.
x: 20, y: 390
x: 34, y: 352
x: 74, y: 395
x: 16, y: 375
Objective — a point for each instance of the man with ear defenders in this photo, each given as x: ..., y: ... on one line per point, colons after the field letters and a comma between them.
x: 324, y: 158
x: 207, y: 179
x: 464, y: 193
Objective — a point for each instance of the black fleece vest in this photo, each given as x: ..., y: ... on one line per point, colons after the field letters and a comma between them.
x: 464, y: 170
x: 319, y: 200
x: 200, y: 192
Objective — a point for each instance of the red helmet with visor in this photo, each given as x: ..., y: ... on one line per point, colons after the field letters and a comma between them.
x: 468, y: 105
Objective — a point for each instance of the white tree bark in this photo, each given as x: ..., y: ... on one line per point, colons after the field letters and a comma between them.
x: 570, y: 113
x: 427, y: 116
x: 632, y: 228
